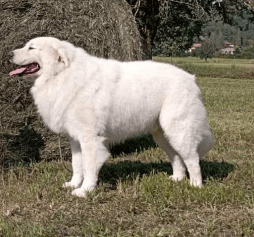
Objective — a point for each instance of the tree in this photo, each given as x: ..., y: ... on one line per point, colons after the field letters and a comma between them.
x: 146, y: 13
x: 179, y: 21
x: 239, y: 32
x: 179, y: 24
x: 238, y: 37
x: 207, y: 49
x: 218, y: 40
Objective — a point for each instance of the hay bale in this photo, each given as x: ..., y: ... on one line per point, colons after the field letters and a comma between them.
x: 103, y: 28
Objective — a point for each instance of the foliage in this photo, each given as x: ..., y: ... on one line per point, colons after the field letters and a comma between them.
x: 147, y: 19
x: 248, y: 52
x: 239, y: 32
x: 179, y: 24
x: 183, y: 22
x: 207, y: 49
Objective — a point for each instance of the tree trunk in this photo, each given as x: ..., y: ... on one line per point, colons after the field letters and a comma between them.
x: 146, y: 15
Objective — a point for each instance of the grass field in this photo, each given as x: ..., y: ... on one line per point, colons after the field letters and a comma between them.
x: 134, y: 195
x: 216, y: 67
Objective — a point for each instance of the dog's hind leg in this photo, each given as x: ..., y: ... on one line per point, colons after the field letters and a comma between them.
x: 186, y: 148
x: 78, y: 175
x: 184, y: 135
x: 179, y: 169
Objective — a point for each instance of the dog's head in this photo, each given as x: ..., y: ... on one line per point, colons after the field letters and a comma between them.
x: 42, y: 55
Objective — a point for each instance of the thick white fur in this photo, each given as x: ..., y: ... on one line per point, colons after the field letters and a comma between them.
x: 100, y: 101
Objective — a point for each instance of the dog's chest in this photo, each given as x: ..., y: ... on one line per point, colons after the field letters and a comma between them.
x: 51, y: 105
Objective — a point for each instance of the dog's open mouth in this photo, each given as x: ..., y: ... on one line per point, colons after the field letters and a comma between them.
x: 27, y: 69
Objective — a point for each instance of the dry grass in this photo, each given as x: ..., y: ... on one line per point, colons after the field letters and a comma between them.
x: 134, y: 195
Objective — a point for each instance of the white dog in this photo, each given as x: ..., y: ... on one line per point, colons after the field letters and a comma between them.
x: 98, y: 101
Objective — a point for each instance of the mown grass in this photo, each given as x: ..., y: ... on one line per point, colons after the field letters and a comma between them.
x: 215, y: 67
x: 135, y: 196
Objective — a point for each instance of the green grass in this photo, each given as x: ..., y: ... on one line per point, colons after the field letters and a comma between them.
x: 215, y: 67
x: 134, y: 196
x: 196, y: 60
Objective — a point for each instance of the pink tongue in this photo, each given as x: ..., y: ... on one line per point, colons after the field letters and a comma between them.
x: 17, y: 71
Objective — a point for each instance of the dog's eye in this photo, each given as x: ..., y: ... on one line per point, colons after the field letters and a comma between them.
x: 30, y: 47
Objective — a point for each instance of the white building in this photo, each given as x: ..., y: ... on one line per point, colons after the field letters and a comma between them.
x: 227, y: 51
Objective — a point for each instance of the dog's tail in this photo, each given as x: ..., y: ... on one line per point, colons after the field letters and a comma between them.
x: 206, y: 144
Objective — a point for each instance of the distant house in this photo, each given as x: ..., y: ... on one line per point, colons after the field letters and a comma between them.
x: 228, y: 44
x: 195, y: 46
x: 227, y: 51
x: 229, y: 47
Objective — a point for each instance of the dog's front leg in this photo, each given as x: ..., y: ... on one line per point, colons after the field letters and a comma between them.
x: 94, y: 154
x: 78, y: 175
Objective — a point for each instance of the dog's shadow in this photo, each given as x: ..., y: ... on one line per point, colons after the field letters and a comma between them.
x: 23, y: 147
x: 139, y: 144
x: 26, y: 145
x: 125, y: 170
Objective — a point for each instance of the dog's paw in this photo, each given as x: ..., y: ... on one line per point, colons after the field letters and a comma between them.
x: 177, y: 177
x: 71, y: 185
x: 79, y: 192
x: 196, y: 183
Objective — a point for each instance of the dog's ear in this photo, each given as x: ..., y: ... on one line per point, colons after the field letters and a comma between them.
x: 63, y: 57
